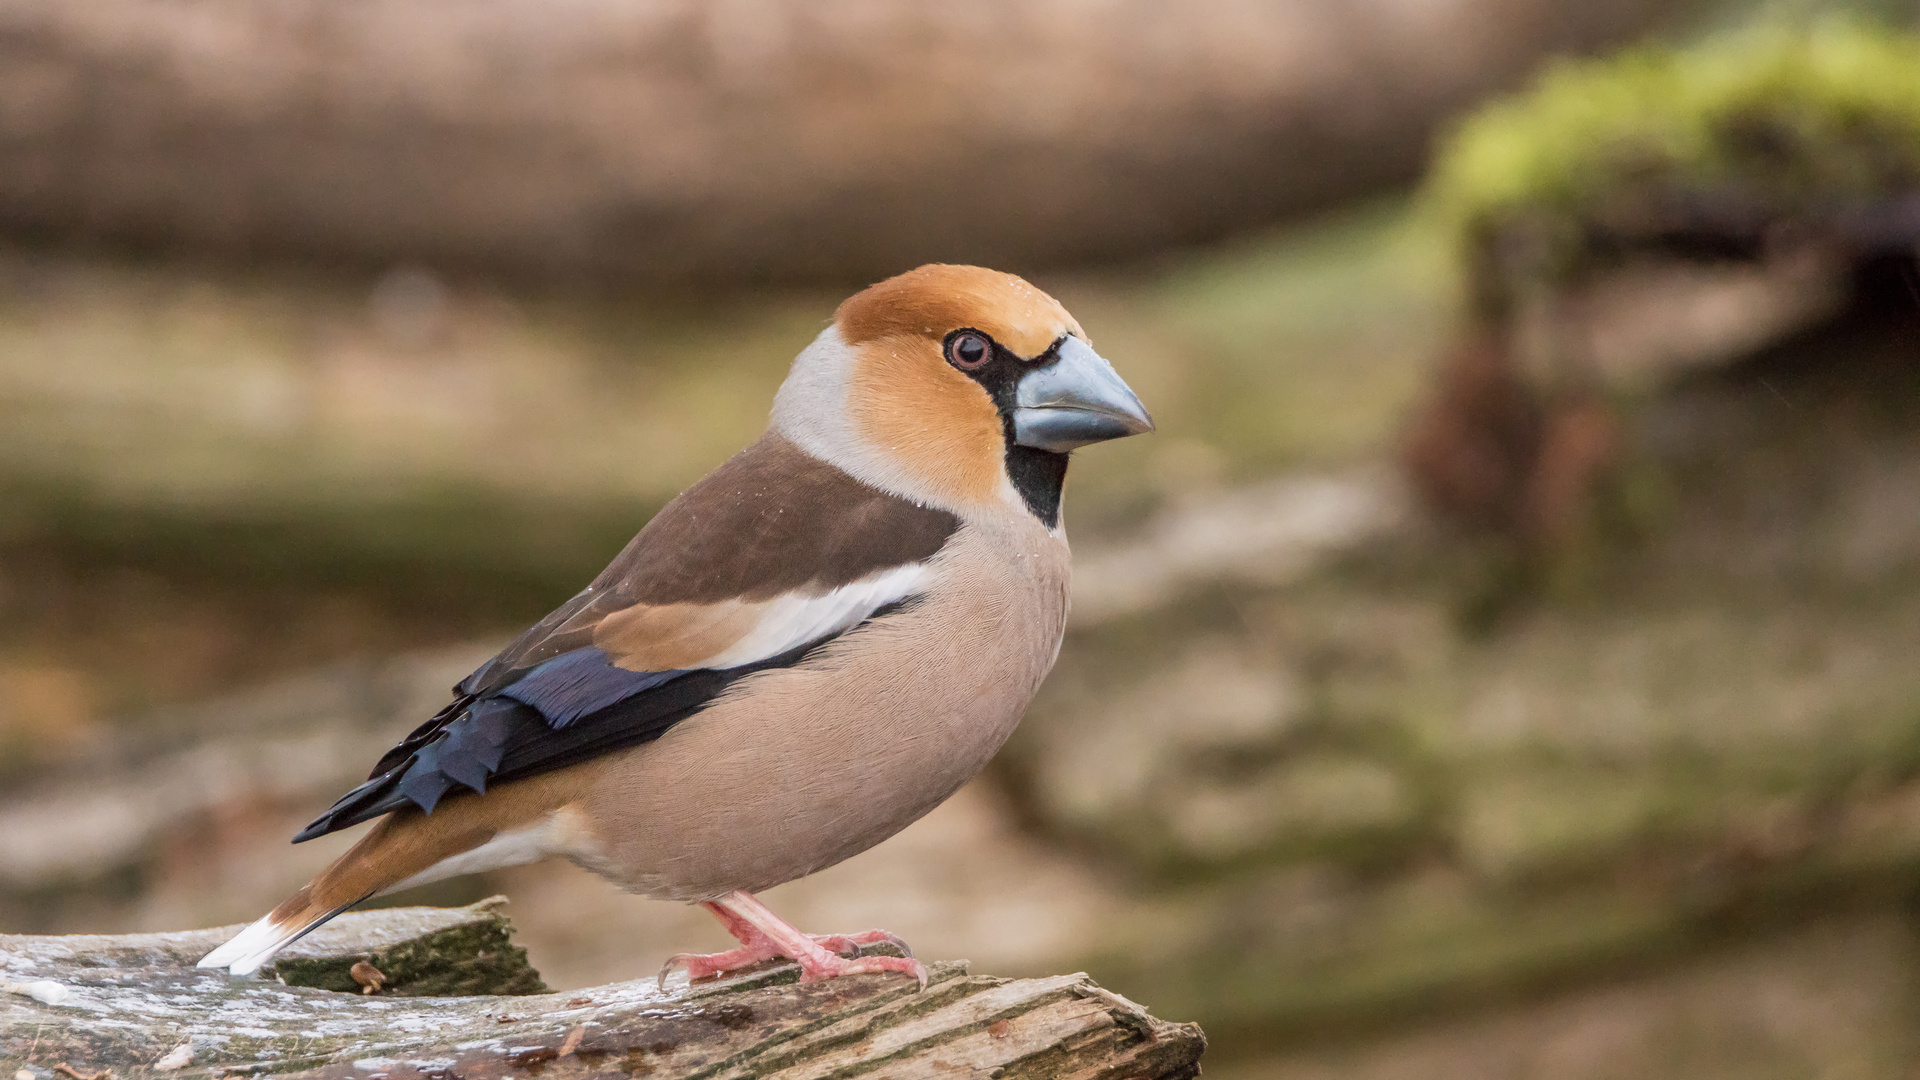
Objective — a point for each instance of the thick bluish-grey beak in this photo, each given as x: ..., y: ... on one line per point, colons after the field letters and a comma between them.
x: 1076, y: 400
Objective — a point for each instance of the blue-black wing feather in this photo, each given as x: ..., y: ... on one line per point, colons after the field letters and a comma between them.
x: 476, y: 741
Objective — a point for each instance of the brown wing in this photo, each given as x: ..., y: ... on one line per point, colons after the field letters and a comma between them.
x: 767, y: 557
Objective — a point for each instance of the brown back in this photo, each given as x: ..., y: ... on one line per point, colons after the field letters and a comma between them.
x: 771, y: 520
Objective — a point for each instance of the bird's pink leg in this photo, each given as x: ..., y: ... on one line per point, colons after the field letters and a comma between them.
x: 754, y: 947
x: 764, y: 936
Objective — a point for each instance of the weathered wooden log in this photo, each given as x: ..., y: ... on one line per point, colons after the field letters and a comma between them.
x: 442, y: 993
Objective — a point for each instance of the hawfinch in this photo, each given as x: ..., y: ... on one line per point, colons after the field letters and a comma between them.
x: 800, y: 655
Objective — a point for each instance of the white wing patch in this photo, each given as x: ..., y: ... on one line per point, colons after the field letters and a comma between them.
x: 790, y: 621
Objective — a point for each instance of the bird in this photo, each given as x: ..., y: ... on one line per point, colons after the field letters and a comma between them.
x: 797, y: 657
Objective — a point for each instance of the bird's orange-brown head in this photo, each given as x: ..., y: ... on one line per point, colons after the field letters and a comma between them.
x: 957, y: 386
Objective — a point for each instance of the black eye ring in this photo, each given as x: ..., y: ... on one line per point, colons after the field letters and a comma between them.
x: 969, y: 349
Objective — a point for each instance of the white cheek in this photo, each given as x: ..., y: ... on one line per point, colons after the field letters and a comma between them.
x: 811, y: 410
x: 811, y: 407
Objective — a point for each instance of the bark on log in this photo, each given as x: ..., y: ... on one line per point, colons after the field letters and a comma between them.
x: 731, y: 141
x: 135, y: 1005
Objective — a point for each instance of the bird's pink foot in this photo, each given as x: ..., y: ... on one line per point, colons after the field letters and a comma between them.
x: 851, y: 944
x: 765, y: 936
x: 758, y: 948
x: 826, y: 965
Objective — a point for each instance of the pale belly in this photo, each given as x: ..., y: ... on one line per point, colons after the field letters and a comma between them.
x: 796, y: 770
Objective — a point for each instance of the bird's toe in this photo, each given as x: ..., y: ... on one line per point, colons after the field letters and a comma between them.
x: 813, y: 970
x: 849, y: 945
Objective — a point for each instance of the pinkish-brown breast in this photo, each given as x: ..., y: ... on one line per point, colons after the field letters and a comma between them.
x: 796, y: 769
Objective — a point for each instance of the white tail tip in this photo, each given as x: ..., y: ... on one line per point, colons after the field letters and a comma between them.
x: 250, y: 949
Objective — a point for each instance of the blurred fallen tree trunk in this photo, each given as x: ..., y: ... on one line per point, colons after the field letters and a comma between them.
x: 79, y: 1006
x: 730, y: 142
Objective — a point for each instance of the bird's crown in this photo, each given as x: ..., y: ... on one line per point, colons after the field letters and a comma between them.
x: 937, y: 299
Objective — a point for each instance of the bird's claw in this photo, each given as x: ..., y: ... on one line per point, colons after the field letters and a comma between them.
x: 705, y: 965
x: 676, y: 960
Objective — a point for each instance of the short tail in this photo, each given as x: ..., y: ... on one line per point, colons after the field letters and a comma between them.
x: 395, y: 850
x: 251, y: 949
x: 464, y: 835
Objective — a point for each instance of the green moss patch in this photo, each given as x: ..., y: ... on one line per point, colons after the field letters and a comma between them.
x: 465, y: 960
x: 1733, y: 137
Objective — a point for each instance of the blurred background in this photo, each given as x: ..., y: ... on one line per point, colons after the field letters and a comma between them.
x: 1503, y: 661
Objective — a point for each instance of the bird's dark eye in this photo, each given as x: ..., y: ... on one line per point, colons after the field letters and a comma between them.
x: 968, y: 349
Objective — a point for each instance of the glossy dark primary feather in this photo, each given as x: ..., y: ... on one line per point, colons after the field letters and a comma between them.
x: 772, y: 521
x: 523, y: 743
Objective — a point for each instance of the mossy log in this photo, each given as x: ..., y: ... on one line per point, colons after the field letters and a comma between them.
x: 443, y: 993
x: 1637, y: 228
x: 1759, y: 147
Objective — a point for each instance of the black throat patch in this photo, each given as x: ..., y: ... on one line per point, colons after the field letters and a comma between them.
x: 1038, y: 475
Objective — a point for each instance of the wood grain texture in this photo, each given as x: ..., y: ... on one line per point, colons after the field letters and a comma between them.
x: 133, y: 1002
